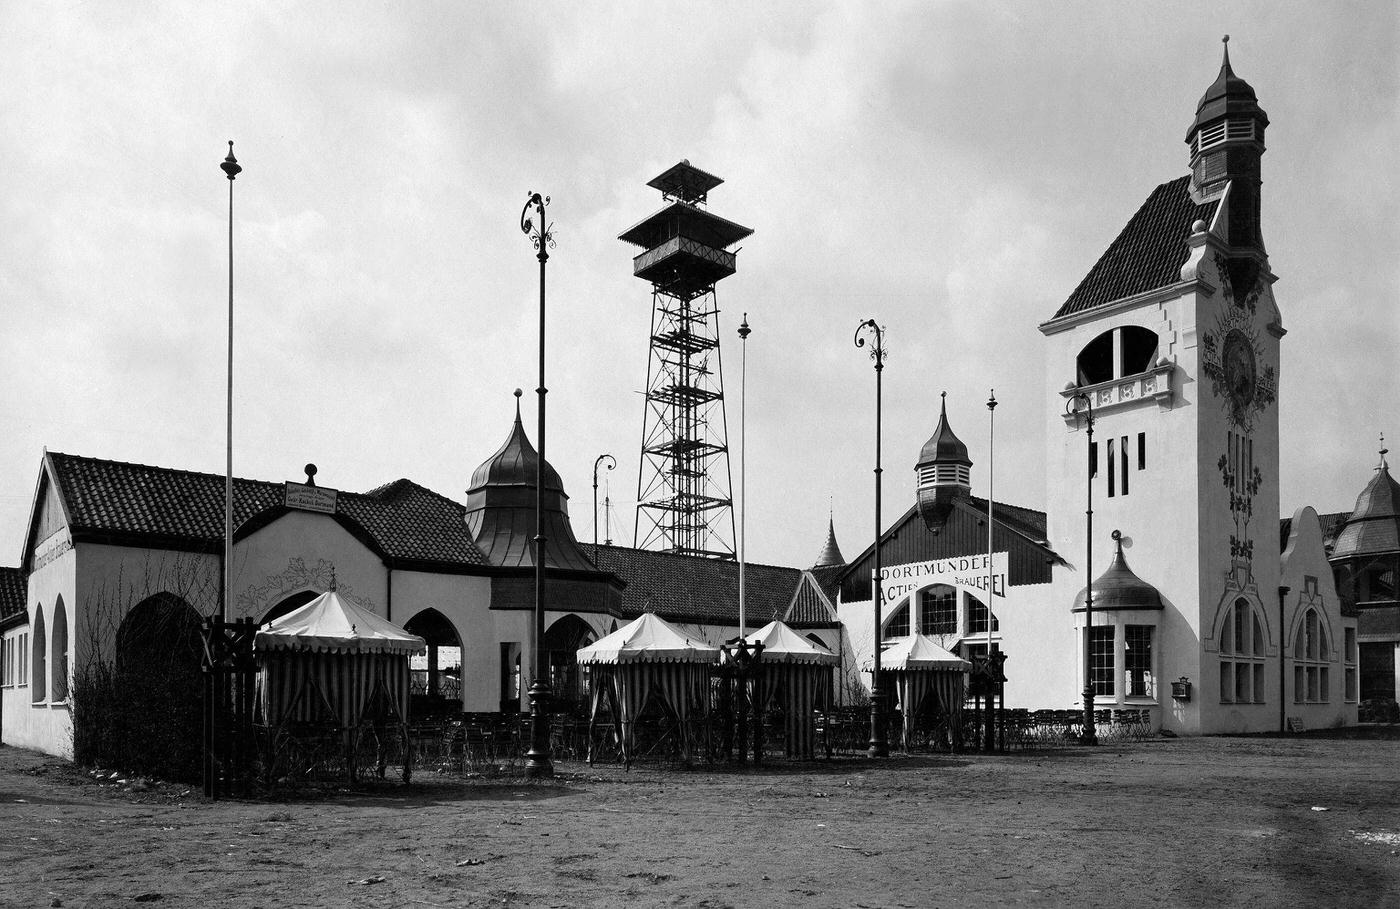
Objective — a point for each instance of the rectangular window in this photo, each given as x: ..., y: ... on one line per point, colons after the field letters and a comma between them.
x: 1256, y: 696
x: 897, y: 625
x: 1300, y: 684
x: 1349, y: 656
x: 1111, y: 472
x: 1142, y: 451
x: 1093, y: 459
x: 1137, y: 660
x: 1101, y: 659
x: 1227, y: 682
x: 23, y: 647
x: 1123, y: 462
x: 1243, y: 694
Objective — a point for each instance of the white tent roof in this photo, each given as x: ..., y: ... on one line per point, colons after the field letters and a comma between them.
x: 783, y: 645
x: 648, y: 639
x: 920, y: 652
x: 333, y: 625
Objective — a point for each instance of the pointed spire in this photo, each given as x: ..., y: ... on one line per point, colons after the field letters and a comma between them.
x: 831, y: 553
x: 518, y: 393
x: 1225, y: 62
x: 333, y: 584
x: 1384, y: 452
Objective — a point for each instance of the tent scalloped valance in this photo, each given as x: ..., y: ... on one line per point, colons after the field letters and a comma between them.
x: 329, y: 624
x: 647, y: 639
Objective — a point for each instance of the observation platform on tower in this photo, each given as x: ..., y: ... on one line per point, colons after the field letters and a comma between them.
x: 685, y: 246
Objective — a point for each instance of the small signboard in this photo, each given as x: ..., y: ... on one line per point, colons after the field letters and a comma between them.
x: 310, y: 498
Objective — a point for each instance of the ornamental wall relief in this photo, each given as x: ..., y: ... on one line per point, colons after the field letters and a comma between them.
x: 1231, y: 352
x: 256, y: 599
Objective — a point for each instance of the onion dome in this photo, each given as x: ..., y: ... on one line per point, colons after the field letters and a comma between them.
x: 1119, y: 588
x: 1228, y: 97
x: 500, y: 511
x: 944, y: 471
x: 830, y: 555
x: 1374, y: 525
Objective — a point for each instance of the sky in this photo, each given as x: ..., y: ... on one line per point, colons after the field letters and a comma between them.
x: 949, y: 169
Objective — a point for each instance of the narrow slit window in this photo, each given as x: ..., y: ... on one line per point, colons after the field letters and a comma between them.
x: 1110, y: 470
x: 1123, y: 463
x: 1142, y: 451
x: 1093, y: 459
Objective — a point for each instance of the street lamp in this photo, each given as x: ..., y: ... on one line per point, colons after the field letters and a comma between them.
x: 1072, y: 407
x: 596, y: 461
x: 879, y: 747
x: 537, y: 762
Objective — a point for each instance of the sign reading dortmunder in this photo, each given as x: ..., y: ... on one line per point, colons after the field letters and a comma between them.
x: 965, y: 572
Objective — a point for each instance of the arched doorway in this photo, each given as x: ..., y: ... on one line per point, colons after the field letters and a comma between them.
x: 159, y: 684
x: 436, y: 685
x: 290, y: 604
x: 567, y: 686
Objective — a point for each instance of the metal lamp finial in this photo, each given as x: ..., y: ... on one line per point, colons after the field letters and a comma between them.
x: 230, y: 164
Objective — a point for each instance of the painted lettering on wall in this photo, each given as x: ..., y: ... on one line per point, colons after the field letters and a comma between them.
x: 965, y: 572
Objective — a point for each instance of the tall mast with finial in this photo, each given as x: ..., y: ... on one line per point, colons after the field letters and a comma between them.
x: 231, y: 169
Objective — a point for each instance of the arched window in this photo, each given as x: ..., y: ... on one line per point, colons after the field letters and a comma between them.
x: 1242, y: 655
x: 436, y: 677
x: 1310, y: 658
x: 938, y: 610
x: 897, y: 625
x: 38, y: 662
x: 977, y: 617
x: 59, y: 649
x: 1118, y: 352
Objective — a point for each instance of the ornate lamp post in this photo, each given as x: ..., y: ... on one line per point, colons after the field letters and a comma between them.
x: 879, y: 746
x: 537, y: 762
x: 1072, y: 406
x: 612, y: 462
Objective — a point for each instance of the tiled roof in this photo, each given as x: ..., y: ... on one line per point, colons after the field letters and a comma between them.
x: 1026, y: 521
x: 1148, y: 253
x: 1331, y: 524
x: 12, y: 594
x: 404, y: 519
x: 809, y: 608
x: 1374, y: 525
x: 696, y: 589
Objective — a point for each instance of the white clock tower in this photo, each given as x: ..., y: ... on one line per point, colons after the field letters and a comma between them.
x: 1173, y: 339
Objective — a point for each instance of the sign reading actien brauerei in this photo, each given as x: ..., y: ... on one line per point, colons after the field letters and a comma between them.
x: 310, y: 498
x: 966, y: 572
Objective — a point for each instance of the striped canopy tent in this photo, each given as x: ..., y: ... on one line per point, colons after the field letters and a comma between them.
x: 792, y: 670
x: 334, y: 663
x: 648, y: 658
x: 920, y: 668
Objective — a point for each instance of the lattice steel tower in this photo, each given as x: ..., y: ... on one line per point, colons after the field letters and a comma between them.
x: 683, y: 484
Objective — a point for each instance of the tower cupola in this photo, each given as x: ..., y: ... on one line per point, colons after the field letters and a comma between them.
x: 1227, y: 141
x: 944, y: 471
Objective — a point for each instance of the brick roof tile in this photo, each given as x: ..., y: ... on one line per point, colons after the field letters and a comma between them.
x: 404, y: 519
x: 1148, y: 253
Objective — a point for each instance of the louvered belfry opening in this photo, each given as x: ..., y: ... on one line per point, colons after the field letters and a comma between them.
x: 684, y: 503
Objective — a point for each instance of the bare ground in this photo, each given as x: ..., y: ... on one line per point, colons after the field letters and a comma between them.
x: 1189, y: 822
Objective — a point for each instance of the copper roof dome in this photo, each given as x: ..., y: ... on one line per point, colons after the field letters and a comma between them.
x: 1119, y: 588
x: 944, y: 447
x: 501, y: 507
x: 1374, y: 525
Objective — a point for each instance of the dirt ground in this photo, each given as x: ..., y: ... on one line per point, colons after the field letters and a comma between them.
x: 1186, y: 822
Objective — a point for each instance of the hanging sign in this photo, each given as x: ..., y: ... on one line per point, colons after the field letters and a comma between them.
x: 310, y: 498
x: 964, y: 572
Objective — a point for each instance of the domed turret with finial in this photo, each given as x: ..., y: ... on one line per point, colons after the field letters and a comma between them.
x: 943, y: 473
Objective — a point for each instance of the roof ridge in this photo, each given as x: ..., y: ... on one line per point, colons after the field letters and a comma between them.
x: 681, y: 555
x: 156, y: 467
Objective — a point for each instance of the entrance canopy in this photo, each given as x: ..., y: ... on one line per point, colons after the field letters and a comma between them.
x: 648, y: 639
x: 783, y: 645
x: 330, y: 624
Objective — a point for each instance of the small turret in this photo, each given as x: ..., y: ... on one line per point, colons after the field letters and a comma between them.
x: 1227, y: 142
x: 944, y: 471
